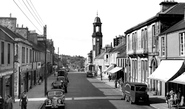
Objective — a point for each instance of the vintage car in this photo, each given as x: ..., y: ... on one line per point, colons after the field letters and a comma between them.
x: 89, y: 74
x: 135, y: 92
x: 55, y: 99
x: 64, y: 80
x: 62, y: 72
x: 58, y: 84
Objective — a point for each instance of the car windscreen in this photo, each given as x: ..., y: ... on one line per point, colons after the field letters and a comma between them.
x: 61, y: 73
x: 141, y: 88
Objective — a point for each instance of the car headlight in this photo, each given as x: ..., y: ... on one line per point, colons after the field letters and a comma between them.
x: 59, y: 100
x: 48, y: 101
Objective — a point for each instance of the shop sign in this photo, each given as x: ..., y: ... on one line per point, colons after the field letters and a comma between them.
x: 26, y: 67
x: 8, y: 72
x: 38, y: 65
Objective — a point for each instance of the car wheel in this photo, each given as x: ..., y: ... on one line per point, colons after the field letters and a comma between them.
x: 123, y: 97
x: 65, y: 89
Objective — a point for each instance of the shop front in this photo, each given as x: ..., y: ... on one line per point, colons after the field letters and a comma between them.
x: 167, y: 71
x: 6, y: 83
x: 25, y: 78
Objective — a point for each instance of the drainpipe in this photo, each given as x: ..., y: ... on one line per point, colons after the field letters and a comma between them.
x: 166, y: 57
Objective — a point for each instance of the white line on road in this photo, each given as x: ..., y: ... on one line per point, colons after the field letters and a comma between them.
x: 74, y: 98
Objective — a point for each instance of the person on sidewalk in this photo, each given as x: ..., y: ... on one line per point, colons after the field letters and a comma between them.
x: 23, y: 101
x: 101, y: 75
x: 109, y: 77
x: 9, y: 102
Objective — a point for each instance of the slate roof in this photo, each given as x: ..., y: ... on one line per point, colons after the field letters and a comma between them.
x: 8, y: 31
x: 177, y: 9
x: 120, y: 48
x: 178, y: 26
x: 100, y: 56
x: 122, y: 55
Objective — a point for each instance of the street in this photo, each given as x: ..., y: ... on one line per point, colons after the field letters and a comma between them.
x: 91, y: 93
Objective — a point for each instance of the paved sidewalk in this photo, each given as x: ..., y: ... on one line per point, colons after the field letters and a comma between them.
x: 157, y: 102
x: 35, y: 95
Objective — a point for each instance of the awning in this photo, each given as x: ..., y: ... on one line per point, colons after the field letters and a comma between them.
x: 109, y: 68
x: 114, y: 70
x: 180, y: 79
x: 166, y: 70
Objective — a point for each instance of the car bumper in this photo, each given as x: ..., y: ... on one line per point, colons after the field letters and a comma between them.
x: 55, y: 106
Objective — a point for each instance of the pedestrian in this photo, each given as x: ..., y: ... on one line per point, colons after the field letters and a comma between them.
x: 168, y: 98
x: 101, y: 75
x: 179, y: 96
x: 23, y: 101
x: 109, y: 77
x: 9, y: 102
x: 2, y: 102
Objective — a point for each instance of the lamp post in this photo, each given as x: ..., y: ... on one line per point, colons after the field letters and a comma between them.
x: 45, y: 70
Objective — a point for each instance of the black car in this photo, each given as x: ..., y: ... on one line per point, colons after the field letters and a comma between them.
x: 55, y: 99
x: 64, y: 80
x: 58, y: 85
x: 89, y: 74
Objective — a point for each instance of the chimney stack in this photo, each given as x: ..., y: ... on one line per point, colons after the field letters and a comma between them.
x: 167, y: 4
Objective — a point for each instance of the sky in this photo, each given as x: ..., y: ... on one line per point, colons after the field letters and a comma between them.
x: 70, y: 22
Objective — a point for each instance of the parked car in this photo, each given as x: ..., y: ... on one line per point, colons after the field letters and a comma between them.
x: 135, y: 92
x: 55, y: 99
x: 58, y: 85
x: 89, y: 74
x: 65, y: 81
x: 62, y: 72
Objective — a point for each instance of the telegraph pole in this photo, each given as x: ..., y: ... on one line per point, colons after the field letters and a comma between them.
x: 58, y: 58
x: 45, y: 70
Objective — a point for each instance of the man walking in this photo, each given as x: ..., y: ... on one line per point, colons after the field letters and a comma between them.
x: 23, y: 101
x: 9, y: 102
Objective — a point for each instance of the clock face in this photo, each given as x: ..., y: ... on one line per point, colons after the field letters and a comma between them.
x: 97, y: 39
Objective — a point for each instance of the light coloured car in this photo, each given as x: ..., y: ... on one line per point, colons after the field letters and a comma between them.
x: 55, y: 99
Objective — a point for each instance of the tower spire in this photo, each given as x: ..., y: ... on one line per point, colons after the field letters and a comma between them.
x: 97, y: 13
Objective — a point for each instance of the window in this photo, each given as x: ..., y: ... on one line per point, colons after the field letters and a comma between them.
x: 129, y: 42
x: 23, y: 54
x: 97, y: 28
x: 30, y: 56
x: 162, y: 46
x: 153, y: 35
x: 8, y: 53
x: 182, y: 43
x: 26, y: 55
x: 2, y: 52
x: 142, y: 38
x: 132, y: 88
x: 145, y: 39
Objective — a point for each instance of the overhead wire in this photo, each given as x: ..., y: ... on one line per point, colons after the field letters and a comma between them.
x: 32, y: 14
x: 36, y: 11
x: 26, y: 16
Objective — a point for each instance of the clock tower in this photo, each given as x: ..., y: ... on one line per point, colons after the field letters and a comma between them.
x: 96, y: 37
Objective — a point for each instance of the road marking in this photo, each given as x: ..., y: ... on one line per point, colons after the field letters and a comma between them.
x: 97, y: 98
x: 77, y: 98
